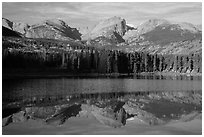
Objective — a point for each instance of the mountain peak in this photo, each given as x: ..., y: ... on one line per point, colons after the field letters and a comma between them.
x: 7, y: 23
x: 55, y: 22
x: 53, y: 29
x: 112, y: 28
x: 108, y: 22
x: 15, y: 26
x: 189, y: 27
x: 163, y: 31
x: 157, y: 21
x: 131, y: 25
x: 114, y: 18
x: 151, y: 24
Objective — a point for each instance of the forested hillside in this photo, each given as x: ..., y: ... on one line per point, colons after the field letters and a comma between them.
x: 22, y: 53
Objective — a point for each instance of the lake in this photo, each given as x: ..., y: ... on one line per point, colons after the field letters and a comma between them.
x: 155, y: 100
x: 21, y: 88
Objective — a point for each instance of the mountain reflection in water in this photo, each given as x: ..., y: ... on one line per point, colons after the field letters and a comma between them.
x: 110, y: 108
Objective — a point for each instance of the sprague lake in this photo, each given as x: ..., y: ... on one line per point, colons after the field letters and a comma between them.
x: 112, y: 100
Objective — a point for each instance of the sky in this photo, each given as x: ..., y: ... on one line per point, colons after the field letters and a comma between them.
x: 78, y: 14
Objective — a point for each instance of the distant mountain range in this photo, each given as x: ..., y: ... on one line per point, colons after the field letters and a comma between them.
x: 110, y: 32
x: 111, y: 46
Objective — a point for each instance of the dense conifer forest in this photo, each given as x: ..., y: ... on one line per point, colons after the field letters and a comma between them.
x: 25, y: 54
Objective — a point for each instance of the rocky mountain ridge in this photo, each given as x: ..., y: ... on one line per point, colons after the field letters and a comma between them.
x: 19, y: 27
x: 153, y: 36
x: 113, y: 29
x: 160, y: 29
x: 53, y: 29
x: 154, y: 31
x: 48, y: 29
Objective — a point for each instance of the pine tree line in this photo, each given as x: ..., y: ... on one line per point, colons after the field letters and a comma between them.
x: 90, y: 60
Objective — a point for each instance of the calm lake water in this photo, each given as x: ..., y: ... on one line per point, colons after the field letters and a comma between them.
x: 111, y: 101
x: 23, y: 88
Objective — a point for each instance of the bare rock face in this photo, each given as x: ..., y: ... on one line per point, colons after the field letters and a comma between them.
x: 199, y: 27
x: 40, y: 112
x: 6, y: 121
x: 145, y: 27
x: 163, y: 37
x: 19, y: 117
x: 150, y: 25
x: 189, y: 27
x: 108, y: 113
x: 159, y: 31
x: 84, y: 30
x: 7, y: 23
x: 64, y: 113
x: 115, y: 24
x: 53, y: 29
x: 113, y: 28
x: 131, y: 34
x: 19, y: 27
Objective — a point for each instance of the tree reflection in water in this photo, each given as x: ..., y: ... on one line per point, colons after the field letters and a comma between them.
x: 112, y: 109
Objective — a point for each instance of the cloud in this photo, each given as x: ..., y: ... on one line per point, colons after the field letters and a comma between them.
x: 89, y: 13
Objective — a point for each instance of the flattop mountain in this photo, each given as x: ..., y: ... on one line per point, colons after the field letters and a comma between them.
x: 53, y: 29
x: 49, y: 29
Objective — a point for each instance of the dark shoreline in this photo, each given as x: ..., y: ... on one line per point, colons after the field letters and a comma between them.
x: 64, y: 74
